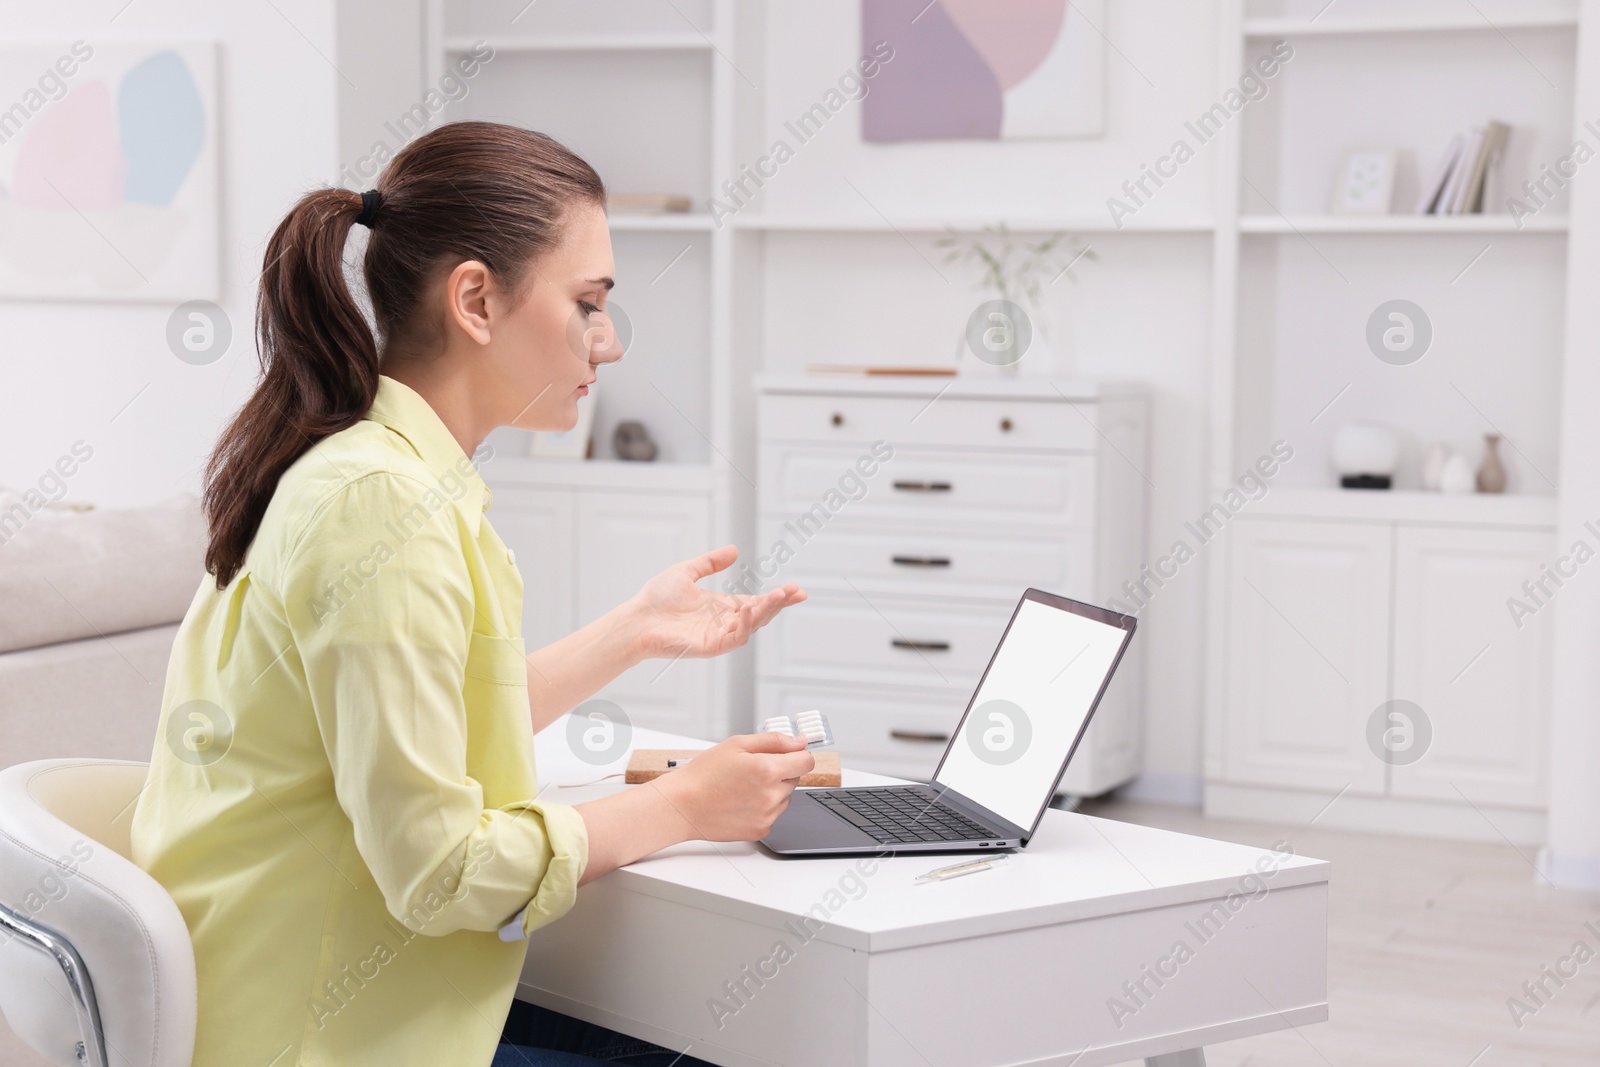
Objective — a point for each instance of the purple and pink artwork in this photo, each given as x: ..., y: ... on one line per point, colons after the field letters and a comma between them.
x: 985, y: 69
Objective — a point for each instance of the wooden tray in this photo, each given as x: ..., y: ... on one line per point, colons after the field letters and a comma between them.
x: 648, y: 763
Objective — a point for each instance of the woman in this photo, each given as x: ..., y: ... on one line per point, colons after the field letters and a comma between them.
x: 342, y: 797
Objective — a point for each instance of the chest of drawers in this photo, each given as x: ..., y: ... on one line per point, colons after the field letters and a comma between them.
x: 915, y: 512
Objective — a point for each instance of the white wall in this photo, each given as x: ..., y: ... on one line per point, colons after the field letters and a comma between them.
x: 1140, y: 310
x: 67, y: 369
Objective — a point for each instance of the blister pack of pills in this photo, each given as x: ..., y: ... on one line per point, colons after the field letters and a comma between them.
x: 811, y: 725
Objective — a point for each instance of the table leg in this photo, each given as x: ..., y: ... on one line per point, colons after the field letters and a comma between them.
x: 1191, y: 1057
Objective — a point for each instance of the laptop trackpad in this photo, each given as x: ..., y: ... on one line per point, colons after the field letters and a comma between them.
x: 805, y: 825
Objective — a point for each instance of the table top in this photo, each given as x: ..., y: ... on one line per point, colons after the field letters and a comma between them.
x: 1076, y: 867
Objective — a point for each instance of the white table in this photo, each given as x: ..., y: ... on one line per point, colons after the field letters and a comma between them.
x: 1022, y: 964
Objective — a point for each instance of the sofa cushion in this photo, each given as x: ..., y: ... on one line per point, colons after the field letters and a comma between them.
x: 68, y: 574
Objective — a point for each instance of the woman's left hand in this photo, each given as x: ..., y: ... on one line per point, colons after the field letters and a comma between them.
x: 676, y: 617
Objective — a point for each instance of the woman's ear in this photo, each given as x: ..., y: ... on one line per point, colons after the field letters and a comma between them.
x: 467, y: 299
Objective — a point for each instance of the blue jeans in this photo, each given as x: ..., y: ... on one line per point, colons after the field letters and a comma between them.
x: 538, y: 1037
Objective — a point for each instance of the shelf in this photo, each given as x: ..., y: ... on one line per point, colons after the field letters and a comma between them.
x: 1406, y: 505
x: 524, y: 471
x: 599, y: 42
x: 698, y: 221
x: 1401, y: 224
x: 876, y: 224
x: 961, y: 386
x: 1292, y: 27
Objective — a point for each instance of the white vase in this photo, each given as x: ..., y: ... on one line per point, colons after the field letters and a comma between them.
x: 1457, y: 475
x: 1433, y: 466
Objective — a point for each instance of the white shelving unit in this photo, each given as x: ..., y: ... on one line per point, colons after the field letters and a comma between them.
x: 1379, y: 594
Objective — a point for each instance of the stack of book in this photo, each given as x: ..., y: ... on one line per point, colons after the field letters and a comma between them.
x: 1457, y: 185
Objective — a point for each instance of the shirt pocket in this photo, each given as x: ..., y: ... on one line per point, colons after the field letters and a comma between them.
x: 499, y: 727
x: 498, y: 660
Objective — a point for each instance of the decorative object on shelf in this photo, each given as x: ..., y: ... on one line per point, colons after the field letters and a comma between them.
x: 1365, y: 183
x: 130, y: 142
x: 647, y: 204
x: 632, y: 441
x: 1001, y: 331
x: 1433, y: 466
x: 1457, y: 184
x: 1365, y: 454
x: 977, y: 70
x: 1491, y: 473
x: 1457, y: 476
x: 576, y: 443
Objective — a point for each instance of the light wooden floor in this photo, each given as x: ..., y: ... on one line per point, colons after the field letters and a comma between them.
x: 1426, y: 941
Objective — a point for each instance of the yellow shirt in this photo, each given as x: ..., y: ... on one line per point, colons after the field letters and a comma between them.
x: 342, y: 793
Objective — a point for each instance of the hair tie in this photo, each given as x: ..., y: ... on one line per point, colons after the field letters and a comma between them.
x: 369, y: 208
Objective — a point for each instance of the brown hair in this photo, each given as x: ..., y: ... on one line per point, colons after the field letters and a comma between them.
x: 468, y: 190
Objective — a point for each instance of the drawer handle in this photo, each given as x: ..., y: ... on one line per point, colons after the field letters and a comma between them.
x: 918, y: 735
x: 924, y: 487
x: 921, y: 646
x: 1005, y: 425
x: 837, y: 419
x: 921, y: 561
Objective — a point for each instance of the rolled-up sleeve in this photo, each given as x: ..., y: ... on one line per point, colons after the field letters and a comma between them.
x: 382, y: 610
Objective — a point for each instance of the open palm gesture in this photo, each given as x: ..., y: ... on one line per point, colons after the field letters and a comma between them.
x: 677, y: 617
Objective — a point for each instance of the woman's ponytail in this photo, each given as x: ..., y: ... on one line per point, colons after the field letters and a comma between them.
x: 319, y: 372
x: 483, y: 191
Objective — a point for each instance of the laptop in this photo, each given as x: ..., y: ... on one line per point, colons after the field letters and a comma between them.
x: 1004, y: 760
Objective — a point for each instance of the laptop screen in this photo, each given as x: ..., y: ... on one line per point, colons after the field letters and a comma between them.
x: 1031, y: 706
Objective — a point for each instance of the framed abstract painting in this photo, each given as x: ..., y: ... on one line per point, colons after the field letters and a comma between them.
x: 108, y: 171
x: 985, y: 70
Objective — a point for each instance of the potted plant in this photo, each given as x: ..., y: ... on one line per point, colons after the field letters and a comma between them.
x: 1009, y: 327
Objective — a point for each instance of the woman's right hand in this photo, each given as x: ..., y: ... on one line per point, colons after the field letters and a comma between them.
x: 736, y: 790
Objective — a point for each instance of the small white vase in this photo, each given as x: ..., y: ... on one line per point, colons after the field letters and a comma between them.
x: 1457, y: 475
x: 1433, y: 466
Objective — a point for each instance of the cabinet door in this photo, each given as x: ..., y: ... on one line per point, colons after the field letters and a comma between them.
x: 1460, y: 655
x: 1307, y: 660
x: 538, y: 525
x: 624, y: 539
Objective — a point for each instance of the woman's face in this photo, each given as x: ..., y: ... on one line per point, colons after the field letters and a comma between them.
x: 547, y: 348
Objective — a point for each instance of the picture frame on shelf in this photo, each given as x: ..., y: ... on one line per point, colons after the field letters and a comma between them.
x: 1364, y: 184
x: 576, y: 443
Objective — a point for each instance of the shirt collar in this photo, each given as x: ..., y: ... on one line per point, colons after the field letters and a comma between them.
x: 402, y: 409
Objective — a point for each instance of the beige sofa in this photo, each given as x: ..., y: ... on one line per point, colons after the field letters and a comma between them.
x: 91, y: 601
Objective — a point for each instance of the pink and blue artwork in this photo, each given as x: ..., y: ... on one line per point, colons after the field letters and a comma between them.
x: 108, y: 171
x: 985, y: 70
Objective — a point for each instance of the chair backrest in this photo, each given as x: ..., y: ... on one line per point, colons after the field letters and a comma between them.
x: 64, y: 868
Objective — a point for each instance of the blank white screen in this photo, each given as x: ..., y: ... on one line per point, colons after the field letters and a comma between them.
x: 1051, y: 665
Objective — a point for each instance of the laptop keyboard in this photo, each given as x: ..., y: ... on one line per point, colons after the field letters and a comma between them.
x: 900, y: 814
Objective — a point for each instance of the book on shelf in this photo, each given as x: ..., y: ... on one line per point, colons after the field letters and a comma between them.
x: 1433, y: 191
x: 1457, y: 184
x: 647, y: 204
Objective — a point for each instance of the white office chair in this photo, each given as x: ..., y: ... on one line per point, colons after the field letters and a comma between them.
x: 96, y: 966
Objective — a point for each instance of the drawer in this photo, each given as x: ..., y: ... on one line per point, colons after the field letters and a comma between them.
x: 933, y: 560
x: 1056, y: 425
x: 811, y: 485
x: 889, y: 641
x: 886, y: 733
